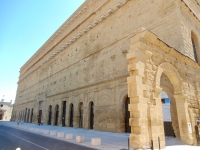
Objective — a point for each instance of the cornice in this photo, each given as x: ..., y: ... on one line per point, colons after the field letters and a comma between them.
x: 71, y: 41
x: 191, y: 11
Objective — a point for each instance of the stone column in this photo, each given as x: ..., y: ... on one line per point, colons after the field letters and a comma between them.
x: 183, y: 118
x: 156, y: 119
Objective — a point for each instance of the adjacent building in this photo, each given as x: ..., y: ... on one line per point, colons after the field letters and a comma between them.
x: 106, y: 66
x: 5, y: 110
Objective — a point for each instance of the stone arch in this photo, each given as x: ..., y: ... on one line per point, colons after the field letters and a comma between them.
x: 172, y: 74
x: 181, y: 104
x: 171, y: 127
x: 103, y: 98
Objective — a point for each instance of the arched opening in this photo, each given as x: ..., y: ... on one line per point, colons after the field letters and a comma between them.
x: 127, y: 116
x: 169, y: 111
x: 50, y: 115
x: 25, y: 115
x: 31, y: 116
x: 195, y: 46
x: 56, y: 115
x: 168, y: 79
x: 71, y: 111
x: 63, y: 113
x: 1, y: 114
x: 80, y: 115
x: 28, y: 115
x: 91, y: 106
x: 20, y: 115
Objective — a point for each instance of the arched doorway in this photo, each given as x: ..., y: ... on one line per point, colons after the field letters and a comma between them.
x: 56, y: 115
x: 50, y: 115
x: 71, y: 111
x: 63, y: 113
x: 31, y: 115
x: 81, y: 115
x: 127, y: 116
x: 20, y: 115
x: 168, y: 76
x: 28, y: 115
x: 167, y: 111
x: 91, y: 106
x: 25, y: 115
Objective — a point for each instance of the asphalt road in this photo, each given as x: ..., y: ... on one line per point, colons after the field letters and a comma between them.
x: 11, y: 139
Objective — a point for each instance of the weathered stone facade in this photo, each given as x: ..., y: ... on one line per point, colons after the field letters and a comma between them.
x: 110, y: 49
x: 5, y: 110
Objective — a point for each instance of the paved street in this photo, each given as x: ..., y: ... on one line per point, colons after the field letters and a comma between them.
x: 109, y: 141
x: 11, y: 138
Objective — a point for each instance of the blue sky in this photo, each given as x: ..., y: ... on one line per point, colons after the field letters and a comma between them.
x: 24, y: 27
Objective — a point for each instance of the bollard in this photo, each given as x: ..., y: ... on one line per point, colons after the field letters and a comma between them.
x: 53, y: 133
x: 159, y: 143
x: 96, y: 141
x: 79, y: 139
x: 69, y: 136
x: 60, y: 134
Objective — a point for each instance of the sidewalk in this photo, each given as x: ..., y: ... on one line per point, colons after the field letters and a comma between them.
x: 109, y: 141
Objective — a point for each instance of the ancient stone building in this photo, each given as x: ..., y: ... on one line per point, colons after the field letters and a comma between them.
x: 5, y: 110
x: 105, y: 67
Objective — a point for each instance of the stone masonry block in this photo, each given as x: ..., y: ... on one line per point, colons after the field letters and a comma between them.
x: 137, y: 107
x: 138, y: 122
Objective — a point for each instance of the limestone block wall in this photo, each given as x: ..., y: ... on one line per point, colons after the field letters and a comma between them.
x: 119, y: 24
x: 189, y: 20
x: 87, y: 54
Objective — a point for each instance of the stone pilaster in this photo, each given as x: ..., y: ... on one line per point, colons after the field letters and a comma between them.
x: 183, y: 118
x: 139, y: 137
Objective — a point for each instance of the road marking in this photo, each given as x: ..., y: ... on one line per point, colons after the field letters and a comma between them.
x: 25, y: 140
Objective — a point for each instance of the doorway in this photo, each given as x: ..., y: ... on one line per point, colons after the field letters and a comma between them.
x: 91, y: 106
x: 57, y: 113
x: 40, y: 117
x: 81, y: 115
x: 71, y: 115
x: 127, y: 116
x: 169, y: 108
x: 31, y: 115
x: 25, y: 115
x: 64, y: 114
x: 28, y: 115
x: 50, y: 115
